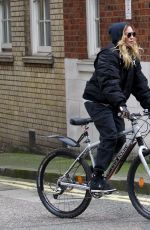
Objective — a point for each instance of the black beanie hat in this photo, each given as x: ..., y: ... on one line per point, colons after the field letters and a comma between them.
x: 116, y: 31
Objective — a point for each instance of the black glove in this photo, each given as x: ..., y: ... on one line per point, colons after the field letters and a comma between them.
x: 123, y: 112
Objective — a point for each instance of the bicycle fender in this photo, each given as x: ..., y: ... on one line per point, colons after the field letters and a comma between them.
x: 67, y: 140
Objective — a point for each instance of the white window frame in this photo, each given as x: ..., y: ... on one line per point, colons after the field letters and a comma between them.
x: 2, y: 44
x: 92, y: 33
x: 36, y: 48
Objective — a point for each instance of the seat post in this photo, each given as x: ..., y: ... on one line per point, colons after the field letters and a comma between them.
x: 85, y: 134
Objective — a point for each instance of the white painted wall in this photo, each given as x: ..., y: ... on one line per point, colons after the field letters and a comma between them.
x: 76, y: 74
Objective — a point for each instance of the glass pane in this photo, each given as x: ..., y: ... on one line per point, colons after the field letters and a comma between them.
x: 47, y: 12
x: 9, y: 31
x: 5, y: 32
x: 48, y: 40
x: 97, y: 24
x: 47, y: 16
x: 41, y: 33
x: 41, y: 9
x: 9, y: 23
x: 9, y: 16
x: 4, y: 9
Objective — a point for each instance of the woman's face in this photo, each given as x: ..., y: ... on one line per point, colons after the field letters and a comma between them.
x: 129, y: 36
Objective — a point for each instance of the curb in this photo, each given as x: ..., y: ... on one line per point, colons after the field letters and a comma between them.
x: 120, y: 185
x: 19, y: 173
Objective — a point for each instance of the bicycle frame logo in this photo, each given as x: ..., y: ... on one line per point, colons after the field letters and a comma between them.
x: 120, y: 158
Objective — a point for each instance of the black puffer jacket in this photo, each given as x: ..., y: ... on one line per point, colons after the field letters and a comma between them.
x: 112, y: 83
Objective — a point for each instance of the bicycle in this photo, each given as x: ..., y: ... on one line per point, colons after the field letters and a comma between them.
x: 63, y: 175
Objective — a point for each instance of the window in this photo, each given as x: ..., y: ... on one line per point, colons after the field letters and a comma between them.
x: 5, y: 26
x: 93, y: 27
x: 40, y: 26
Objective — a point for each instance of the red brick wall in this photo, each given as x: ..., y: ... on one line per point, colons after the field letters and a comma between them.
x: 110, y: 11
x: 141, y: 20
x: 75, y: 28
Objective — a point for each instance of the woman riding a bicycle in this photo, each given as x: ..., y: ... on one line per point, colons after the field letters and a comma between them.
x: 117, y: 75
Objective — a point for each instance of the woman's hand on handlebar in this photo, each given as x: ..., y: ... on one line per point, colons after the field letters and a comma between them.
x: 123, y: 112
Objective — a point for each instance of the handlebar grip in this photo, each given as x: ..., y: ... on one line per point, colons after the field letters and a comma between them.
x: 136, y: 114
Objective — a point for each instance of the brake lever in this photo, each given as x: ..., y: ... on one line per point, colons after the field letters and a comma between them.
x: 147, y: 113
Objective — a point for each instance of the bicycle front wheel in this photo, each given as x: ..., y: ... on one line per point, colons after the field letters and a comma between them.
x: 139, y: 185
x: 64, y: 196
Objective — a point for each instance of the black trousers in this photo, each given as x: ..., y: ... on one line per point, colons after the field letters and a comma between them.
x: 108, y: 124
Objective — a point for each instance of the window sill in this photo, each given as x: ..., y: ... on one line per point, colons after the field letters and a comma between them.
x: 6, y: 58
x: 48, y: 60
x: 86, y: 65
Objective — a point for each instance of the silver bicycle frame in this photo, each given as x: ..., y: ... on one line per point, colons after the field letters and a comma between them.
x: 136, y: 129
x: 143, y: 159
x: 135, y: 134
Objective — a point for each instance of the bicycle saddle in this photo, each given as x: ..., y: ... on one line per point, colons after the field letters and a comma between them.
x: 80, y: 121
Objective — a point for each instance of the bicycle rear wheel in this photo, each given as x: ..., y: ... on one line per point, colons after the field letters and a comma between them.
x: 63, y: 200
x: 139, y: 185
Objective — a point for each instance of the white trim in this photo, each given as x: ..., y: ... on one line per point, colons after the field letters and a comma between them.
x: 45, y: 49
x: 34, y: 27
x: 128, y: 9
x: 6, y: 46
x: 91, y: 28
x: 1, y: 32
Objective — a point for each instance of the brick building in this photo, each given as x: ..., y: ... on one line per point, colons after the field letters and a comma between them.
x: 47, y: 49
x: 86, y: 25
x: 32, y: 83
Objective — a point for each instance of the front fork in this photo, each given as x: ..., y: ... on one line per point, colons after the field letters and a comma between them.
x: 141, y: 148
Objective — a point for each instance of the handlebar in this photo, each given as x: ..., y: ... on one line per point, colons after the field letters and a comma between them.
x: 134, y: 116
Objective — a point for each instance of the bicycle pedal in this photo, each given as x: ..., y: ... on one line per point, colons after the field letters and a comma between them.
x: 96, y: 195
x: 103, y: 192
x: 109, y: 192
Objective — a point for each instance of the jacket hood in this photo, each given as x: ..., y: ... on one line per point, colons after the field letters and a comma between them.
x: 116, y: 30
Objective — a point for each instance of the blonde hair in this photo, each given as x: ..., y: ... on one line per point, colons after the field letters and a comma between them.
x: 128, y: 53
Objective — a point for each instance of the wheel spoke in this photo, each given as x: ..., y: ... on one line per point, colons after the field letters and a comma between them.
x: 139, y: 187
x: 58, y: 192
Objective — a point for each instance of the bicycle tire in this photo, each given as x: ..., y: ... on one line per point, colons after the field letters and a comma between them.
x: 138, y: 183
x: 70, y: 202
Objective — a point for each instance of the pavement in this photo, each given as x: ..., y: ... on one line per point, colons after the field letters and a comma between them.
x: 21, y: 209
